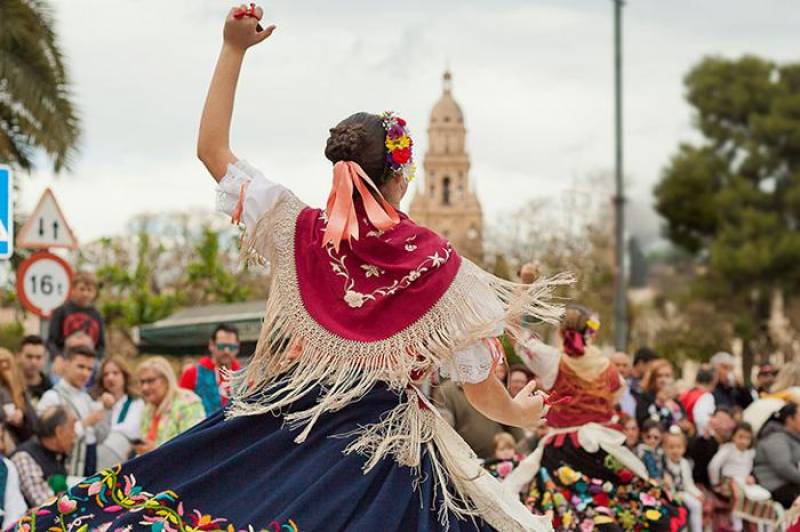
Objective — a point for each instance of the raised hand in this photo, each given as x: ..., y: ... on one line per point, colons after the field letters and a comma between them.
x: 243, y: 28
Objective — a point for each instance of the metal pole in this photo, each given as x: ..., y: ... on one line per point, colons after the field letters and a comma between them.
x: 44, y: 332
x: 620, y: 311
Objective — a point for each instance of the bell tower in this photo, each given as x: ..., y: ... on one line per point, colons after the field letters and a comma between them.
x: 445, y: 201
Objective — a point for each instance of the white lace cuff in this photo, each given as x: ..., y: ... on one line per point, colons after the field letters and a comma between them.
x: 472, y: 364
x: 260, y: 194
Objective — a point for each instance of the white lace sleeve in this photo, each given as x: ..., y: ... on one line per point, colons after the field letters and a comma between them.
x: 471, y: 365
x: 260, y: 194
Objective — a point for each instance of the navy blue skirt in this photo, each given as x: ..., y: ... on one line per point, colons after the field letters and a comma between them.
x: 247, y: 473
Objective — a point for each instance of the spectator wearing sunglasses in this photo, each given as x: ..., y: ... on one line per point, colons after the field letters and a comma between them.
x: 206, y: 378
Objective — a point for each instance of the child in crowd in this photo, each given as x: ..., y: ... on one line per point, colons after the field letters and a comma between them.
x: 78, y: 314
x: 631, y: 430
x: 734, y: 460
x: 505, y: 457
x: 649, y: 451
x: 678, y: 475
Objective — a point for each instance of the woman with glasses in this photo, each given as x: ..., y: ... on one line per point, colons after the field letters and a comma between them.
x: 169, y: 410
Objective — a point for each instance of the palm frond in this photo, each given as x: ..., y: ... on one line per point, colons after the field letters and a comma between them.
x: 34, y: 86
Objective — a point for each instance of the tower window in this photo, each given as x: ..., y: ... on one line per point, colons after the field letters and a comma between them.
x: 446, y: 191
x: 433, y: 191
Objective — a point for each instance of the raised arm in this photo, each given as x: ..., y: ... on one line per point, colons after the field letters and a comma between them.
x: 213, y: 142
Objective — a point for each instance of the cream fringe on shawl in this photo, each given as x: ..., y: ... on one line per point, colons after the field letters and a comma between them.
x: 346, y: 370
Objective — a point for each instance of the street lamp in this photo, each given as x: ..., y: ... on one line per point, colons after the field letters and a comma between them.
x: 620, y: 310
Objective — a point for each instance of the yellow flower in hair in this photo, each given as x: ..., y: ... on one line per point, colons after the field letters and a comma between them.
x: 398, y: 143
x: 653, y: 515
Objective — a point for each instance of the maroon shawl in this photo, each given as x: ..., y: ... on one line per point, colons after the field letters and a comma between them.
x: 375, y: 286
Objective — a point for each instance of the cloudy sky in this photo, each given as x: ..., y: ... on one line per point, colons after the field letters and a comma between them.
x: 534, y: 78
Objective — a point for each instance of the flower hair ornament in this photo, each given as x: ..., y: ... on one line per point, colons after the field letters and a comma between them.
x: 399, y: 146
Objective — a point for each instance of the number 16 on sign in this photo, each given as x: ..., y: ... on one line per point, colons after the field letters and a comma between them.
x: 43, y: 283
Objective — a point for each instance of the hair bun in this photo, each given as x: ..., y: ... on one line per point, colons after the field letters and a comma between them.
x: 345, y: 143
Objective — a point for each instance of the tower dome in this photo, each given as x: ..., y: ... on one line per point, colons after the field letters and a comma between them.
x: 446, y: 111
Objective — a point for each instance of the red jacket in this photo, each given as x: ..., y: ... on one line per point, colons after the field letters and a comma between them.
x: 689, y: 398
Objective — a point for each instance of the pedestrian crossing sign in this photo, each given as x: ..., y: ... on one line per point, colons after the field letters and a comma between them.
x: 6, y: 212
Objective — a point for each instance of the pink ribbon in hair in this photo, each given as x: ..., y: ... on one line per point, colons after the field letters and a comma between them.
x: 341, y: 211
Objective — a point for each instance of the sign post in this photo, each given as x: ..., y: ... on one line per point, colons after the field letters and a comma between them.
x: 46, y: 227
x: 43, y: 283
x: 44, y: 280
x: 6, y: 212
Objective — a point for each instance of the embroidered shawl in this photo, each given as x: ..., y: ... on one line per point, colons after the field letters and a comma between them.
x: 385, y: 307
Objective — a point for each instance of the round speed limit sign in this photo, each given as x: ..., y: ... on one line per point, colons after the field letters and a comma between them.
x: 43, y: 283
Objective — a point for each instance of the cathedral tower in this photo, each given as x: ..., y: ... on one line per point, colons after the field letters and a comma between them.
x: 445, y: 201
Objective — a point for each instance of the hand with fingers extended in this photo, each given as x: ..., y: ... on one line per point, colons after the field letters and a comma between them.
x: 243, y: 28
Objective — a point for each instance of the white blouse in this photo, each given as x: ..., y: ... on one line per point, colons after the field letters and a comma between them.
x: 471, y: 365
x: 130, y: 426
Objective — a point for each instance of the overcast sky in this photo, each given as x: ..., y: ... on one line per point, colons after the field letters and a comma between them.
x: 533, y: 77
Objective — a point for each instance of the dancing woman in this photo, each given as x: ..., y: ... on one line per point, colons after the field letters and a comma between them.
x: 327, y: 429
x: 582, y: 475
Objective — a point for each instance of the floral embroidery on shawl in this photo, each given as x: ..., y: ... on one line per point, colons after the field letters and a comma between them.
x: 356, y: 299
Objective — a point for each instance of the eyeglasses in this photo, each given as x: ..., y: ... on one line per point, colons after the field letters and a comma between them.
x: 147, y: 382
x: 221, y: 346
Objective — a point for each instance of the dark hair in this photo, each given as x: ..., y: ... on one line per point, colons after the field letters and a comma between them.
x: 576, y: 318
x: 224, y: 327
x: 31, y: 339
x: 744, y: 426
x: 724, y: 410
x: 650, y: 424
x: 523, y: 369
x: 705, y: 375
x: 788, y: 410
x: 80, y: 350
x: 50, y: 420
x: 360, y: 138
x: 645, y: 355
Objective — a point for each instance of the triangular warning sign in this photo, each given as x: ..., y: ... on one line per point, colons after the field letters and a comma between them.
x: 47, y: 227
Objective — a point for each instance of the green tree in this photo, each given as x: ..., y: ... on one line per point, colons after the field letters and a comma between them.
x: 208, y: 275
x: 11, y: 335
x: 36, y: 111
x: 732, y: 200
x: 568, y: 236
x: 167, y: 261
x: 131, y: 293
